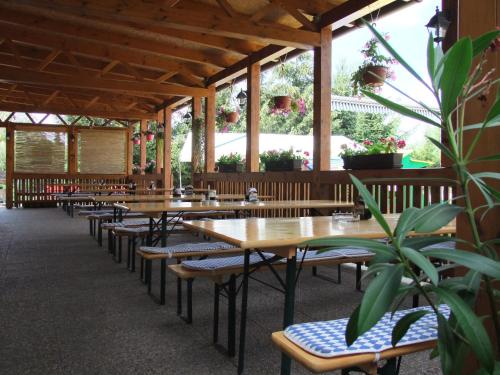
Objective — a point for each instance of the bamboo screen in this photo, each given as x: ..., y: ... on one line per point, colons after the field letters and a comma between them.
x: 40, y: 152
x: 102, y: 151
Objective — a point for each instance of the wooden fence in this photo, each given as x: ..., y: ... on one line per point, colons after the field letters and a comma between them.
x: 406, y: 188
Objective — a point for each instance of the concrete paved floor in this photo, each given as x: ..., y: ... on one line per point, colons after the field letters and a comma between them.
x: 67, y: 308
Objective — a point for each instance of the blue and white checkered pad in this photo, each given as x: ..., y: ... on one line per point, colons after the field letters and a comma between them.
x: 327, y: 339
x: 188, y: 248
x: 222, y: 263
x: 344, y: 252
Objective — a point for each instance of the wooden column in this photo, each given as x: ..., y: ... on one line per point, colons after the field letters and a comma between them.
x: 167, y: 148
x: 144, y: 127
x: 72, y: 150
x: 322, y: 101
x: 196, y: 135
x: 9, y: 166
x: 210, y: 130
x: 253, y: 117
x: 130, y: 149
x: 159, y: 144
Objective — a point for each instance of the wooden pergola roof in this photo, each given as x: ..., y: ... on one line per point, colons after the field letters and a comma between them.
x: 128, y: 59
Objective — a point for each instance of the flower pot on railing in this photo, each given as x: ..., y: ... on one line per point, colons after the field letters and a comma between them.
x: 375, y: 75
x: 283, y: 103
x: 283, y: 165
x: 378, y: 161
x: 230, y: 168
x: 232, y: 117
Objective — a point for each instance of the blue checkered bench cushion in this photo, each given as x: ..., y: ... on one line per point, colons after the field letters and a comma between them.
x: 327, y: 339
x: 344, y: 252
x: 441, y: 245
x: 187, y: 248
x: 223, y: 263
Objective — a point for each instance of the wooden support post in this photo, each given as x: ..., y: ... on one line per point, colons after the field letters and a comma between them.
x: 210, y: 130
x: 253, y: 117
x: 196, y: 135
x: 167, y: 148
x: 144, y: 127
x: 130, y: 149
x: 159, y: 144
x: 72, y: 150
x: 9, y: 166
x: 322, y: 101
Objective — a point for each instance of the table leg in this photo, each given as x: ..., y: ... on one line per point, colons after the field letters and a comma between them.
x: 149, y: 240
x: 163, y: 229
x: 291, y: 267
x: 244, y: 304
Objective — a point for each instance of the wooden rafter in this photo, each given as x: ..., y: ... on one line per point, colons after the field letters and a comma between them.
x: 94, y: 100
x: 108, y: 68
x: 295, y: 13
x: 51, y: 97
x: 8, y: 92
x: 50, y: 58
x: 228, y: 8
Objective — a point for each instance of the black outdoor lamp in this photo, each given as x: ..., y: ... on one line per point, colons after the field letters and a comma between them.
x: 242, y: 98
x: 186, y: 117
x: 439, y: 24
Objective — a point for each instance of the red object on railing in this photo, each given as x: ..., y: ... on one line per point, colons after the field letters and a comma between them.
x: 150, y: 137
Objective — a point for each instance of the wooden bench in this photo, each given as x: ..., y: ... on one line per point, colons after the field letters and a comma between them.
x: 320, y: 346
x: 230, y: 274
x: 178, y: 252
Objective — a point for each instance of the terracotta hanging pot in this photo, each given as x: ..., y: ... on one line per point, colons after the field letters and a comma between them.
x: 283, y: 103
x: 150, y: 137
x: 232, y: 117
x: 371, y: 80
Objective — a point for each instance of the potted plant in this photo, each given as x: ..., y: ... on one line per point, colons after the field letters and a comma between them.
x: 230, y: 163
x: 375, y: 68
x: 282, y: 160
x: 379, y: 154
x: 471, y: 333
x: 284, y: 105
x: 136, y: 138
x: 149, y: 135
x: 229, y: 113
x: 150, y: 167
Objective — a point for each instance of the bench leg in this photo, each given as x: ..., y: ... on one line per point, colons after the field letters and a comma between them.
x: 132, y: 269
x: 216, y: 313
x: 288, y: 316
x: 110, y: 240
x: 142, y: 270
x: 189, y: 319
x: 243, y: 317
x: 315, y: 271
x: 179, y: 293
x: 149, y: 271
x: 358, y: 276
x: 120, y: 249
x: 99, y: 235
x: 90, y: 228
x: 129, y: 250
x: 231, y: 313
x: 163, y: 270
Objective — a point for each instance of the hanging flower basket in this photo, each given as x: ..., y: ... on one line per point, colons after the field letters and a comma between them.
x: 150, y: 137
x: 136, y: 139
x: 372, y: 74
x: 283, y: 103
x: 232, y: 117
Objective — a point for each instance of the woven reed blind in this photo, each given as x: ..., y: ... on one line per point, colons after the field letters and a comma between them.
x: 40, y: 152
x: 102, y: 151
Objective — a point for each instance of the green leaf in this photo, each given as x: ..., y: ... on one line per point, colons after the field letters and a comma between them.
x: 471, y: 327
x: 406, y: 222
x: 446, y: 345
x: 371, y: 204
x: 420, y: 242
x: 482, y: 188
x: 480, y: 126
x: 493, y: 175
x: 431, y: 57
x: 394, y: 54
x: 363, y: 243
x: 487, y: 158
x: 445, y: 150
x: 422, y: 262
x: 493, y: 114
x: 481, y: 43
x: 401, y: 109
x: 456, y: 66
x: 471, y: 260
x: 404, y: 324
x: 351, y: 331
x: 436, y: 216
x: 379, y: 296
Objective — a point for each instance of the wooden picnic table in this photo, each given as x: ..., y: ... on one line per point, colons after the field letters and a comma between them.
x: 161, y: 197
x: 281, y: 237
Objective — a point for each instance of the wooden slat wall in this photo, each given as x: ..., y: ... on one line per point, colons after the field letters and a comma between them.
x: 393, y: 197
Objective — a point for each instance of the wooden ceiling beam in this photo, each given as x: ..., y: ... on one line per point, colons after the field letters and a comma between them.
x: 51, y: 97
x: 350, y: 11
x: 205, y: 22
x: 92, y: 29
x: 101, y: 51
x: 50, y: 58
x: 295, y: 13
x: 12, y: 107
x: 15, y: 75
x: 228, y: 9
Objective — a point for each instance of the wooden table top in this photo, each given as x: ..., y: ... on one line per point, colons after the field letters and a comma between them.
x: 261, y: 233
x: 162, y: 197
x: 165, y: 206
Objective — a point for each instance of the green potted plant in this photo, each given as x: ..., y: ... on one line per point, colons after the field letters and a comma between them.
x: 380, y: 154
x: 230, y: 163
x: 375, y: 68
x: 229, y: 113
x: 454, y: 81
x: 282, y: 160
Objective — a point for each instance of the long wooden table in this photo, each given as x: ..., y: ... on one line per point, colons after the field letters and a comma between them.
x: 162, y: 209
x: 162, y: 197
x: 281, y: 237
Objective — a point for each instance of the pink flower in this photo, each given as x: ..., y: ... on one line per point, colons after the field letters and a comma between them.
x: 387, y: 37
x: 225, y: 129
x: 306, y: 153
x: 366, y: 142
x: 383, y: 140
x: 401, y: 144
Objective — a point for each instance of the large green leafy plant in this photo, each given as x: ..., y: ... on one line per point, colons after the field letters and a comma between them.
x: 456, y: 78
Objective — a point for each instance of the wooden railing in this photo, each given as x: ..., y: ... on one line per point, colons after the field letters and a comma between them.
x: 406, y: 188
